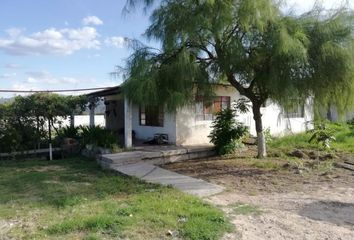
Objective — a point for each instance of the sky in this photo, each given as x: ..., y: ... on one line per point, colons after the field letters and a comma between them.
x: 70, y: 44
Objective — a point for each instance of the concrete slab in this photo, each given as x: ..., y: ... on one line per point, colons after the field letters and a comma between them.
x: 155, y: 174
x: 121, y: 158
x: 141, y: 164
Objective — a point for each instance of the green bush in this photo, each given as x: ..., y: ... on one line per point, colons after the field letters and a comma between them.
x: 69, y: 132
x: 98, y: 136
x: 24, y: 121
x: 322, y: 135
x: 227, y: 132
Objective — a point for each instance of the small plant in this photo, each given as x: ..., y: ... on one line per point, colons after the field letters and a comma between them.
x: 246, y: 209
x: 227, y: 132
x: 322, y: 135
x: 267, y: 135
x: 98, y: 136
x: 69, y: 132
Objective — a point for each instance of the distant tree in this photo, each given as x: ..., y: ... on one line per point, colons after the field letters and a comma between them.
x: 251, y: 44
x: 23, y: 121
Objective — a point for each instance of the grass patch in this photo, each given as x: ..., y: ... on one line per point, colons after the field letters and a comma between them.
x: 344, y: 134
x: 74, y: 199
x: 267, y: 164
x: 245, y: 209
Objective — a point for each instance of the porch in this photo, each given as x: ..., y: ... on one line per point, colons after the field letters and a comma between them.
x: 118, y: 114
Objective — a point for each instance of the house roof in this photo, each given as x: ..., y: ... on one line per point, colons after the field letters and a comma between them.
x: 116, y: 90
x: 106, y: 92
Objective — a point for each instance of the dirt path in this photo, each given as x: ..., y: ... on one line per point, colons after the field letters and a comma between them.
x: 325, y: 213
x: 279, y: 201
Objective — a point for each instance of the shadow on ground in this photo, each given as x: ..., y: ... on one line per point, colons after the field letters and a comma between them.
x: 339, y: 213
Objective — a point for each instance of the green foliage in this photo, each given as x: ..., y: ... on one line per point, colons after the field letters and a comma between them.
x: 251, y: 44
x: 245, y: 209
x: 23, y: 122
x: 322, y: 135
x: 17, y: 129
x: 267, y: 135
x: 343, y: 133
x: 74, y: 199
x: 226, y: 132
x: 97, y: 136
x: 149, y: 74
x: 69, y: 132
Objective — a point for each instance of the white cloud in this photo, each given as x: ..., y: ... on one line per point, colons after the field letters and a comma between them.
x: 23, y: 87
x: 118, y: 42
x: 12, y: 66
x: 50, y: 41
x: 35, y: 83
x: 8, y: 75
x: 92, y: 20
x: 14, y: 32
x: 45, y: 78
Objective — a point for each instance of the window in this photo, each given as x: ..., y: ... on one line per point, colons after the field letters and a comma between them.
x: 297, y: 111
x: 205, y: 111
x: 151, y: 116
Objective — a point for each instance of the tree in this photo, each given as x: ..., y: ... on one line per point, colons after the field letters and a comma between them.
x: 250, y: 44
x: 22, y: 122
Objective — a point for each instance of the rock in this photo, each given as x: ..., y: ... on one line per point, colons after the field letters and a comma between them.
x: 328, y: 156
x: 250, y: 141
x: 312, y: 155
x: 298, y: 153
x: 172, y: 233
x: 286, y: 165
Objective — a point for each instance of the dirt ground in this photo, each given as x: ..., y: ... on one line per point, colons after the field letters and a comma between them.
x: 290, y: 202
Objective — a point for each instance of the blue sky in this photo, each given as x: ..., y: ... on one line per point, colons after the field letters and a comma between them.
x: 65, y: 44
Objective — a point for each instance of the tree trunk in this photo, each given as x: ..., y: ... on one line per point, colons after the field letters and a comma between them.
x: 261, y: 143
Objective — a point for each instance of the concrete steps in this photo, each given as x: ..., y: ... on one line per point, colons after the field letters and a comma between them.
x: 156, y: 156
x: 142, y: 164
x: 118, y: 159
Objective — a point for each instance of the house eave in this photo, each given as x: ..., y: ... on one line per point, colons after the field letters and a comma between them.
x: 106, y: 92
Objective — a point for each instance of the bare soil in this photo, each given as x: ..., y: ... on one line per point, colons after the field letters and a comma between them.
x: 298, y: 199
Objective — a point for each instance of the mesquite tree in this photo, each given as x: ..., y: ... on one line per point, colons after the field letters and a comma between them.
x: 251, y: 44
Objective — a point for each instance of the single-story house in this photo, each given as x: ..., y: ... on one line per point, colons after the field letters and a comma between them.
x: 333, y: 115
x: 191, y: 125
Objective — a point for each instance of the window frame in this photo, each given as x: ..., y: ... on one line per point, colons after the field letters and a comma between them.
x: 209, y: 115
x: 150, y: 121
x: 298, y: 112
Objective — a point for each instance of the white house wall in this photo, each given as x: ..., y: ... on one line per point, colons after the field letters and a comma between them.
x: 279, y: 125
x: 193, y: 132
x: 148, y: 132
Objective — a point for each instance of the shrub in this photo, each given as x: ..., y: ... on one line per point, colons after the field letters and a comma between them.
x: 322, y: 135
x: 267, y: 135
x: 69, y: 132
x: 227, y: 132
x: 98, y: 136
